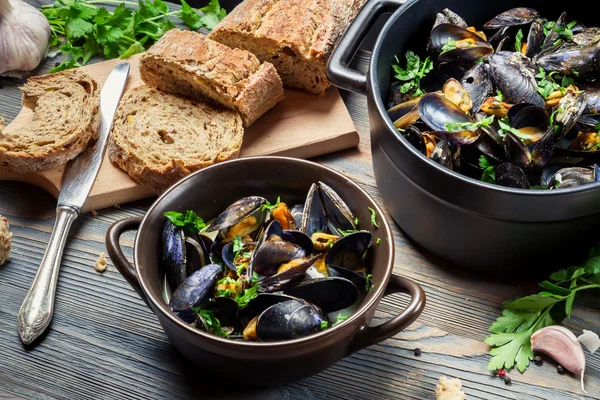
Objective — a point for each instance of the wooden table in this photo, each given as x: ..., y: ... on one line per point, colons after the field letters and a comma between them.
x: 104, y: 343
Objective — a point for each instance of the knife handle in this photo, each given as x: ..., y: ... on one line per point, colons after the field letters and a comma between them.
x: 36, y: 312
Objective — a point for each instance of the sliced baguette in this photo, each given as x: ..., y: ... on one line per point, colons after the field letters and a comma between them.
x: 5, y: 239
x: 66, y: 118
x: 187, y: 63
x: 296, y: 36
x: 158, y: 138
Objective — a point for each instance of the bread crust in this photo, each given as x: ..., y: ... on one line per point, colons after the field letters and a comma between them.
x: 66, y: 118
x: 187, y: 63
x: 297, y: 36
x: 159, y: 138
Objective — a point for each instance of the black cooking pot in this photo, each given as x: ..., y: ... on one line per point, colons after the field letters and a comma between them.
x: 476, y: 225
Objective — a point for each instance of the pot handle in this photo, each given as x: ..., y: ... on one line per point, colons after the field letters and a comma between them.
x: 116, y: 254
x: 338, y: 71
x: 370, y: 335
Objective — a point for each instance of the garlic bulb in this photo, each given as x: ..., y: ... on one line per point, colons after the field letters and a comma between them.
x: 24, y: 34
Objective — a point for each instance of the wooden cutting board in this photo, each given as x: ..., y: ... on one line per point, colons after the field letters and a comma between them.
x: 302, y: 125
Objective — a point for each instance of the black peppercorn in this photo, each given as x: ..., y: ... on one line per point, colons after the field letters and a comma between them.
x: 507, y: 380
x: 538, y: 360
x: 560, y: 369
x: 417, y: 352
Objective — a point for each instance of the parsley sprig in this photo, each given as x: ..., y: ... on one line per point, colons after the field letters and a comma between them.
x: 270, y: 207
x: 450, y: 45
x: 489, y: 170
x: 413, y: 73
x: 189, y: 220
x: 519, y: 41
x: 373, y: 217
x: 83, y: 30
x: 470, y: 126
x: 212, y: 323
x: 565, y: 33
x: 511, y: 332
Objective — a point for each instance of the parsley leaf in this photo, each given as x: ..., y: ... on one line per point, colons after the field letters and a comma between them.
x: 414, y: 72
x: 505, y: 127
x: 470, y: 126
x: 373, y: 217
x: 368, y: 283
x: 499, y: 95
x: 489, y: 170
x: 378, y: 240
x: 238, y: 246
x: 519, y: 41
x: 249, y: 294
x: 450, y: 45
x: 270, y: 207
x: 340, y: 318
x: 324, y: 324
x: 346, y: 232
x: 212, y: 323
x: 189, y: 221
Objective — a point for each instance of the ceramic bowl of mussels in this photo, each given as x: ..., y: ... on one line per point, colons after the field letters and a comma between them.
x: 268, y: 265
x: 484, y: 127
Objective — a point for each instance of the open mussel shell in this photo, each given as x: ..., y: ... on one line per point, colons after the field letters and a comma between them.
x: 509, y: 175
x: 517, y: 153
x: 300, y: 238
x: 225, y: 309
x: 543, y: 150
x: 174, y: 254
x: 442, y: 154
x: 358, y: 278
x: 528, y: 115
x: 415, y: 137
x: 441, y: 34
x: 402, y: 109
x: 272, y: 253
x: 194, y: 288
x: 569, y: 110
x: 448, y: 16
x: 227, y: 254
x: 314, y: 218
x: 259, y: 304
x: 478, y: 84
x: 458, y: 137
x: 515, y: 81
x: 329, y: 294
x: 289, y: 320
x: 237, y: 212
x: 571, y: 57
x: 297, y: 212
x: 437, y: 112
x: 512, y: 17
x: 293, y: 272
x: 556, y: 30
x: 348, y: 252
x: 572, y: 177
x: 585, y: 36
x: 535, y: 38
x: 338, y: 213
x: 197, y: 253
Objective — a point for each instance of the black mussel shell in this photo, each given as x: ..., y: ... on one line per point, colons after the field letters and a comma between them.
x: 512, y: 17
x: 236, y: 212
x: 289, y: 320
x: 358, y: 278
x: 338, y: 213
x: 450, y: 70
x: 442, y: 154
x: 571, y: 57
x: 478, y: 84
x: 395, y: 96
x: 228, y: 254
x: 500, y: 35
x: 225, y: 310
x: 197, y: 253
x: 314, y: 218
x: 415, y: 137
x: 515, y: 81
x: 441, y: 34
x: 535, y: 38
x: 458, y: 137
x: 542, y: 151
x: 300, y: 238
x: 516, y: 152
x: 194, y: 288
x: 330, y: 294
x: 448, y: 16
x: 174, y: 254
x: 578, y: 28
x: 348, y: 252
x: 509, y: 175
x: 288, y: 277
x: 569, y: 110
x: 586, y: 36
x: 259, y: 304
x: 488, y: 147
x: 273, y: 251
x: 297, y: 212
x: 437, y: 112
x: 572, y: 177
x: 400, y: 110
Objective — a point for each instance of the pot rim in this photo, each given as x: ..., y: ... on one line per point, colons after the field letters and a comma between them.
x: 373, y: 91
x: 365, y: 307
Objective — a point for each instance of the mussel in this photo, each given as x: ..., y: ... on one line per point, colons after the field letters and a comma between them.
x: 509, y: 175
x: 467, y: 47
x: 515, y: 81
x: 478, y: 85
x: 512, y: 17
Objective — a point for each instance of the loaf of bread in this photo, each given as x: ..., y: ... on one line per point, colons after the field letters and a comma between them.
x: 66, y: 118
x: 5, y: 238
x: 158, y: 138
x: 449, y: 389
x: 188, y: 63
x: 297, y: 36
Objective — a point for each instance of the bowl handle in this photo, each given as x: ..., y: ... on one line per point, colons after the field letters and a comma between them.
x: 338, y: 71
x: 370, y: 335
x: 116, y: 254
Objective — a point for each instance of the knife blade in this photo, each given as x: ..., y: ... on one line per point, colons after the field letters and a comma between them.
x: 36, y: 311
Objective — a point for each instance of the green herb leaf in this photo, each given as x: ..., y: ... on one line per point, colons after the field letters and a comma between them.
x: 499, y: 95
x: 324, y: 324
x: 270, y: 207
x: 373, y: 217
x: 189, y: 221
x: 413, y: 73
x: 249, y: 294
x: 347, y: 232
x: 213, y: 324
x: 470, y: 126
x: 489, y: 170
x: 378, y: 240
x: 340, y: 318
x: 450, y: 45
x: 368, y: 283
x: 519, y: 41
x: 213, y: 14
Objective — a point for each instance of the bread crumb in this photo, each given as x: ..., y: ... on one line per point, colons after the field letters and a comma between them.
x: 449, y: 389
x: 94, y: 213
x: 5, y: 238
x: 101, y: 263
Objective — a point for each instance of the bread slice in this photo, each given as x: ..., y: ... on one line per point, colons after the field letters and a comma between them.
x: 297, y: 36
x: 158, y: 138
x: 66, y: 118
x: 188, y: 63
x: 5, y: 238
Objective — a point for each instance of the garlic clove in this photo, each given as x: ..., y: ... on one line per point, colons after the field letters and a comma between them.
x: 590, y: 340
x: 561, y: 345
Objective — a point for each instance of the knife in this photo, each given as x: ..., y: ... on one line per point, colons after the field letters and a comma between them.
x: 36, y: 312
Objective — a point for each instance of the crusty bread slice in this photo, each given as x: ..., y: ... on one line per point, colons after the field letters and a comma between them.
x: 188, y: 63
x: 66, y: 118
x: 5, y: 238
x: 297, y: 36
x: 158, y: 138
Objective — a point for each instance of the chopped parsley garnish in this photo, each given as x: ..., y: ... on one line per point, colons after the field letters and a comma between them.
x: 340, y: 318
x: 378, y: 240
x: 255, y: 277
x: 450, y: 45
x: 249, y: 294
x: 227, y: 281
x: 241, y: 269
x: 238, y: 246
x: 489, y: 170
x: 519, y: 41
x: 324, y: 324
x: 211, y: 322
x: 373, y: 218
x: 224, y: 293
x: 356, y: 221
x: 505, y: 127
x: 499, y: 96
x: 189, y: 221
x: 345, y: 233
x: 368, y: 282
x: 546, y: 83
x: 470, y: 126
x: 413, y: 73
x: 270, y: 207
